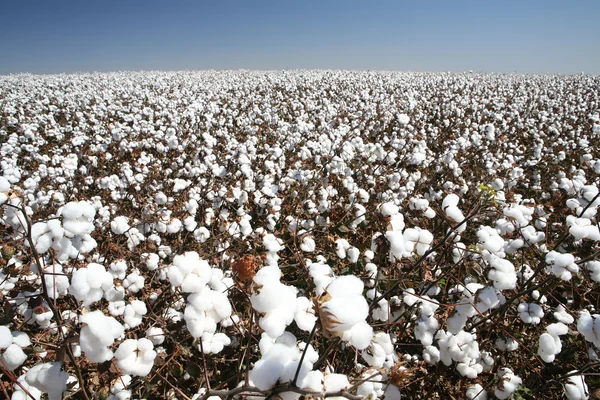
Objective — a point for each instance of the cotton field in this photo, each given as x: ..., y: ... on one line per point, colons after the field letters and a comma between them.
x: 254, y: 235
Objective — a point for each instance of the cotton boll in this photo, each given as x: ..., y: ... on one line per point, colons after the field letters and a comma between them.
x: 89, y: 284
x: 576, y: 388
x: 561, y: 265
x: 507, y: 344
x: 589, y: 326
x: 120, y: 225
x: 345, y: 286
x: 155, y: 335
x: 78, y: 218
x: 476, y: 392
x: 134, y: 282
x: 335, y: 382
x: 136, y: 357
x: 530, y: 313
x: 305, y: 314
x: 547, y: 348
x: 133, y: 313
x: 508, y: 383
x: 189, y: 272
x: 48, y: 378
x: 308, y: 244
x: 97, y: 334
x: 561, y: 315
x: 361, y: 335
x: 594, y: 268
x: 13, y: 356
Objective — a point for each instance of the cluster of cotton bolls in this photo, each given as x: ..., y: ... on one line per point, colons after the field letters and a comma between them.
x: 125, y: 197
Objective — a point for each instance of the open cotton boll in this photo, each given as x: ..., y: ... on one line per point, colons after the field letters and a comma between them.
x: 561, y: 265
x: 508, y: 383
x: 589, y: 326
x: 322, y: 275
x: 583, y: 228
x: 156, y: 335
x: 576, y: 388
x: 530, y: 313
x: 134, y: 313
x: 97, y: 334
x: 561, y: 315
x: 89, y: 284
x: 13, y: 356
x: 4, y: 189
x: 48, y: 378
x: 189, y: 272
x: 136, y: 357
x: 134, y: 282
x: 119, y: 225
x: 305, y: 314
x: 507, y: 344
x: 78, y: 218
x: 502, y: 271
x: 388, y: 209
x: 594, y: 268
x: 397, y: 244
x: 205, y: 309
x: 45, y: 235
x: 308, y: 244
x: 476, y: 392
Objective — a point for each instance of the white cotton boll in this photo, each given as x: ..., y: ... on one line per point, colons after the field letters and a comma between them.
x: 216, y: 344
x: 78, y: 218
x: 189, y: 272
x: 308, y: 244
x: 576, y: 388
x: 119, y: 225
x: 547, y: 348
x: 97, y: 334
x: 397, y: 244
x: 14, y: 356
x: 151, y: 260
x: 190, y: 223
x: 160, y: 198
x: 201, y: 234
x: 21, y: 339
x: 561, y: 265
x: 89, y: 284
x: 476, y: 392
x: 561, y: 315
x: 346, y: 286
x: 353, y: 254
x: 133, y: 313
x: 388, y: 209
x: 589, y: 326
x: 305, y: 314
x: 530, y: 313
x: 341, y: 246
x: 594, y: 268
x: 508, y: 383
x: 136, y: 357
x: 507, y: 344
x: 431, y: 355
x: 335, y: 382
x: 272, y: 243
x: 118, y: 269
x: 361, y: 335
x: 134, y: 282
x: 48, y: 378
x: 269, y: 297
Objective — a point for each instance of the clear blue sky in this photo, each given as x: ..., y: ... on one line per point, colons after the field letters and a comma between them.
x: 531, y: 36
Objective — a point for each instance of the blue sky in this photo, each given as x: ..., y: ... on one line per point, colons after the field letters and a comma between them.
x: 530, y: 36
